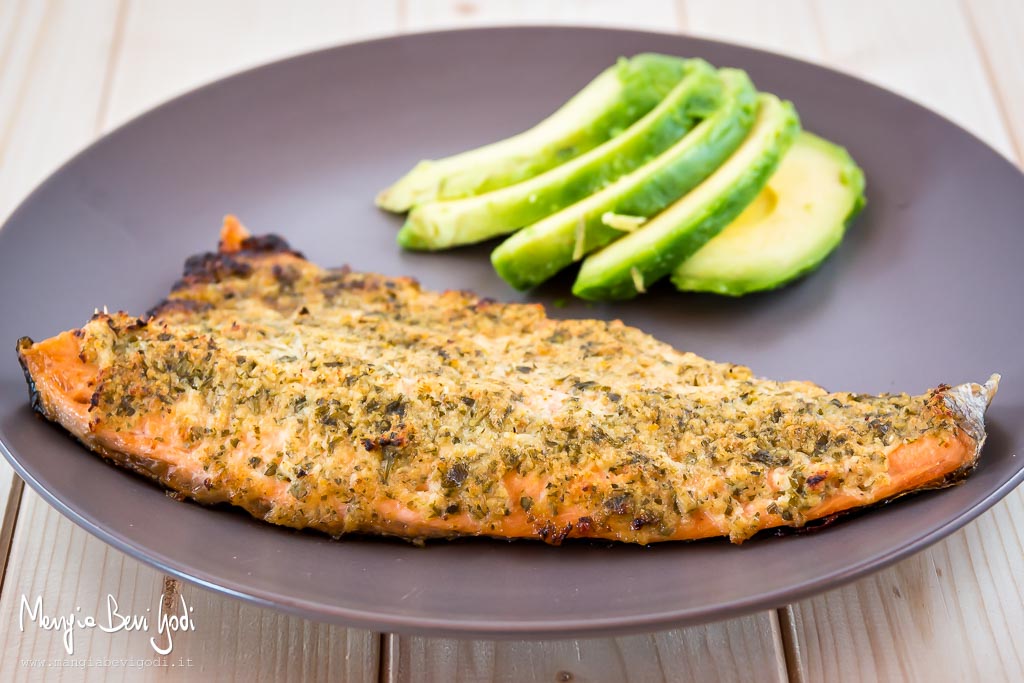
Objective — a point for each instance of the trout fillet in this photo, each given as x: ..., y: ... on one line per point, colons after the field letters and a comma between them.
x: 356, y: 403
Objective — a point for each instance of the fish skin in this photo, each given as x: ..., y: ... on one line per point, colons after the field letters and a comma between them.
x: 367, y: 405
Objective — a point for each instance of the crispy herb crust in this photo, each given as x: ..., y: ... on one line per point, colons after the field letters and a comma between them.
x: 353, y: 402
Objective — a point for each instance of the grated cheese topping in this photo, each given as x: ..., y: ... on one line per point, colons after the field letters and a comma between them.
x: 338, y: 390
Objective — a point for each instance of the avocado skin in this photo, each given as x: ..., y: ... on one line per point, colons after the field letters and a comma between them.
x: 444, y: 224
x: 643, y: 81
x: 850, y: 175
x: 608, y: 274
x: 539, y: 251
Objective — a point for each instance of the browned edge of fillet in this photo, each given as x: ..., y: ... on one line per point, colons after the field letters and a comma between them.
x: 60, y: 387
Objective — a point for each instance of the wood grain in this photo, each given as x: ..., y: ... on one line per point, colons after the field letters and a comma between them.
x: 784, y: 26
x: 996, y: 26
x: 129, y: 57
x: 172, y: 47
x: 53, y: 58
x: 737, y: 650
x: 949, y: 613
x: 952, y: 612
x: 69, y: 569
x: 49, y: 71
x: 427, y: 15
x: 923, y: 50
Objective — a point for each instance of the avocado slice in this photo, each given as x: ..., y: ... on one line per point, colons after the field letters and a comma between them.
x: 443, y: 224
x: 794, y: 224
x: 611, y: 102
x: 628, y: 266
x: 538, y: 251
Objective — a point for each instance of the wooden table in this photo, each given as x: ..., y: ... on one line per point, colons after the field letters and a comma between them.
x: 72, y: 70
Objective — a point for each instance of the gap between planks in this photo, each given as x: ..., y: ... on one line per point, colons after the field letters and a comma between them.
x: 9, y: 521
x: 789, y: 644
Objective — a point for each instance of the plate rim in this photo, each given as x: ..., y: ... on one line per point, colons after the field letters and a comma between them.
x: 498, y: 627
x: 583, y: 28
x: 464, y: 628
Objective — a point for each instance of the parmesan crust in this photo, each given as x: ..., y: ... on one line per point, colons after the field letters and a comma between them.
x: 638, y: 280
x: 352, y: 402
x: 579, y: 241
x: 622, y: 222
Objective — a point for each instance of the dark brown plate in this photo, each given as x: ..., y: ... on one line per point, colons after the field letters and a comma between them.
x: 926, y: 289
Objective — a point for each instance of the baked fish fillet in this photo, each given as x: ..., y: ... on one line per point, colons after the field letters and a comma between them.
x: 352, y: 402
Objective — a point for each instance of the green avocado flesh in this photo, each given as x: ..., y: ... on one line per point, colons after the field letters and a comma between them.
x: 605, y: 107
x: 629, y: 265
x: 796, y: 221
x: 539, y: 251
x: 443, y: 224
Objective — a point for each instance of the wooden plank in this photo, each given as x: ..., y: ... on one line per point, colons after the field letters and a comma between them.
x: 996, y: 26
x: 162, y: 51
x: 172, y: 47
x: 52, y: 57
x: 922, y: 49
x: 952, y: 612
x: 52, y: 66
x: 784, y: 26
x: 1003, y: 567
x: 736, y: 650
x: 74, y: 573
x: 47, y: 552
x: 428, y: 15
